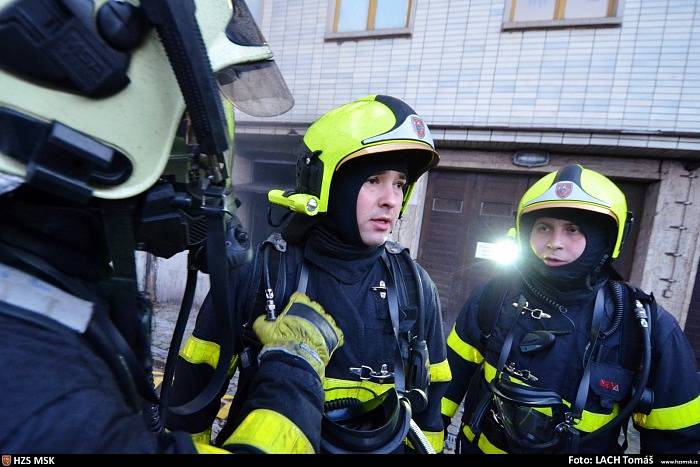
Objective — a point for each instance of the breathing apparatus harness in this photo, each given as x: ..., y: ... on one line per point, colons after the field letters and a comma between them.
x: 345, y: 420
x: 519, y: 407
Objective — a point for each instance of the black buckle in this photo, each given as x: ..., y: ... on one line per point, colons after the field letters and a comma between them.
x: 64, y: 161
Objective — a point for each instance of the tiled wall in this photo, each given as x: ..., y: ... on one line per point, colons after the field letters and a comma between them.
x: 458, y: 68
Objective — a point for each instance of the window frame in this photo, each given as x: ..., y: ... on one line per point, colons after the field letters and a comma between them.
x: 614, y: 17
x: 334, y: 16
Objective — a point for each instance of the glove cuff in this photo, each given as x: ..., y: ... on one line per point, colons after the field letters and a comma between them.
x: 301, y: 350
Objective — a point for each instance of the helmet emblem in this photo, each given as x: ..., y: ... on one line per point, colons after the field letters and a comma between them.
x: 418, y: 126
x: 564, y: 189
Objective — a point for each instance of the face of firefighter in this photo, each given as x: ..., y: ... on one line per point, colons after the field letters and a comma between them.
x: 379, y: 205
x: 556, y: 241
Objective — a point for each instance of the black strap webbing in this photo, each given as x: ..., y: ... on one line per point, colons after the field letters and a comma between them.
x: 596, y: 323
x: 218, y: 276
x: 393, y: 301
x: 303, y: 278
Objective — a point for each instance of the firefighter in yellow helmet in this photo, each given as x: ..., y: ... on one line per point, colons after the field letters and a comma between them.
x: 92, y: 95
x: 355, y: 175
x: 556, y: 355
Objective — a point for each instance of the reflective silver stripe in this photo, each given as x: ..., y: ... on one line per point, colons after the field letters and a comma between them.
x: 577, y: 194
x: 24, y: 291
x: 404, y: 131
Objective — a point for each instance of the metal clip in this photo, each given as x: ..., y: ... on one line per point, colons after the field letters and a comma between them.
x: 381, y: 288
x: 535, y: 313
x: 270, y: 304
x: 527, y: 375
x: 641, y: 313
x: 366, y: 373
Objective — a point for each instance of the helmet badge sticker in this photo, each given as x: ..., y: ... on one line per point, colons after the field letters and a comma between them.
x: 564, y: 189
x: 418, y: 126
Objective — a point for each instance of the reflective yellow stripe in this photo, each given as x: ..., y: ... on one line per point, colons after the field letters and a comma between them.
x: 223, y: 411
x: 360, y: 390
x: 157, y: 378
x: 489, y: 372
x: 436, y: 439
x: 440, y: 372
x: 468, y: 432
x: 484, y: 444
x: 487, y: 447
x: 203, y: 448
x: 464, y: 350
x: 198, y: 351
x: 590, y: 421
x: 448, y: 407
x: 671, y: 418
x: 202, y: 438
x: 272, y: 433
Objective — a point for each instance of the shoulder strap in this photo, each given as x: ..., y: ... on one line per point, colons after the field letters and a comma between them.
x: 411, y: 341
x: 411, y: 298
x: 491, y: 303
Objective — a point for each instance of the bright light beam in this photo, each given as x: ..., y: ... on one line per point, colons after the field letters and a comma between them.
x: 506, y: 251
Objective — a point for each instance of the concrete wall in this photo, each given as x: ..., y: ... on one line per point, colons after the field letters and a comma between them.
x: 164, y: 280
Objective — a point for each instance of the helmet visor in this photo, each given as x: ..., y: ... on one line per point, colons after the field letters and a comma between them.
x: 257, y: 87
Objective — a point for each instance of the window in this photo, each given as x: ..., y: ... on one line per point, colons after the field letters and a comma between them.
x: 521, y: 14
x: 369, y: 18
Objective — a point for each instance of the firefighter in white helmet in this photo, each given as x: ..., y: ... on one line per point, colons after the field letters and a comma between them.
x: 92, y: 95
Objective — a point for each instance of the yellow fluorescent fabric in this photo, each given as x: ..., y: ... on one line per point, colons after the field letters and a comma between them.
x: 436, y: 439
x: 671, y: 418
x: 448, y: 407
x: 209, y: 449
x: 272, y: 433
x: 484, y: 444
x: 464, y: 350
x: 202, y: 438
x: 198, y: 351
x: 360, y: 390
x: 222, y: 414
x: 440, y: 372
x: 468, y: 432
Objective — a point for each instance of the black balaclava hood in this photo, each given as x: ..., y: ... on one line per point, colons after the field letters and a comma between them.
x: 334, y: 243
x: 341, y: 218
x: 586, y: 269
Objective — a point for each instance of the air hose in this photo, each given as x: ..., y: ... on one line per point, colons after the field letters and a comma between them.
x: 418, y: 440
x: 643, y: 315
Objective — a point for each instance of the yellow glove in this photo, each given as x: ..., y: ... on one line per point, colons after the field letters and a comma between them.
x: 303, y: 329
